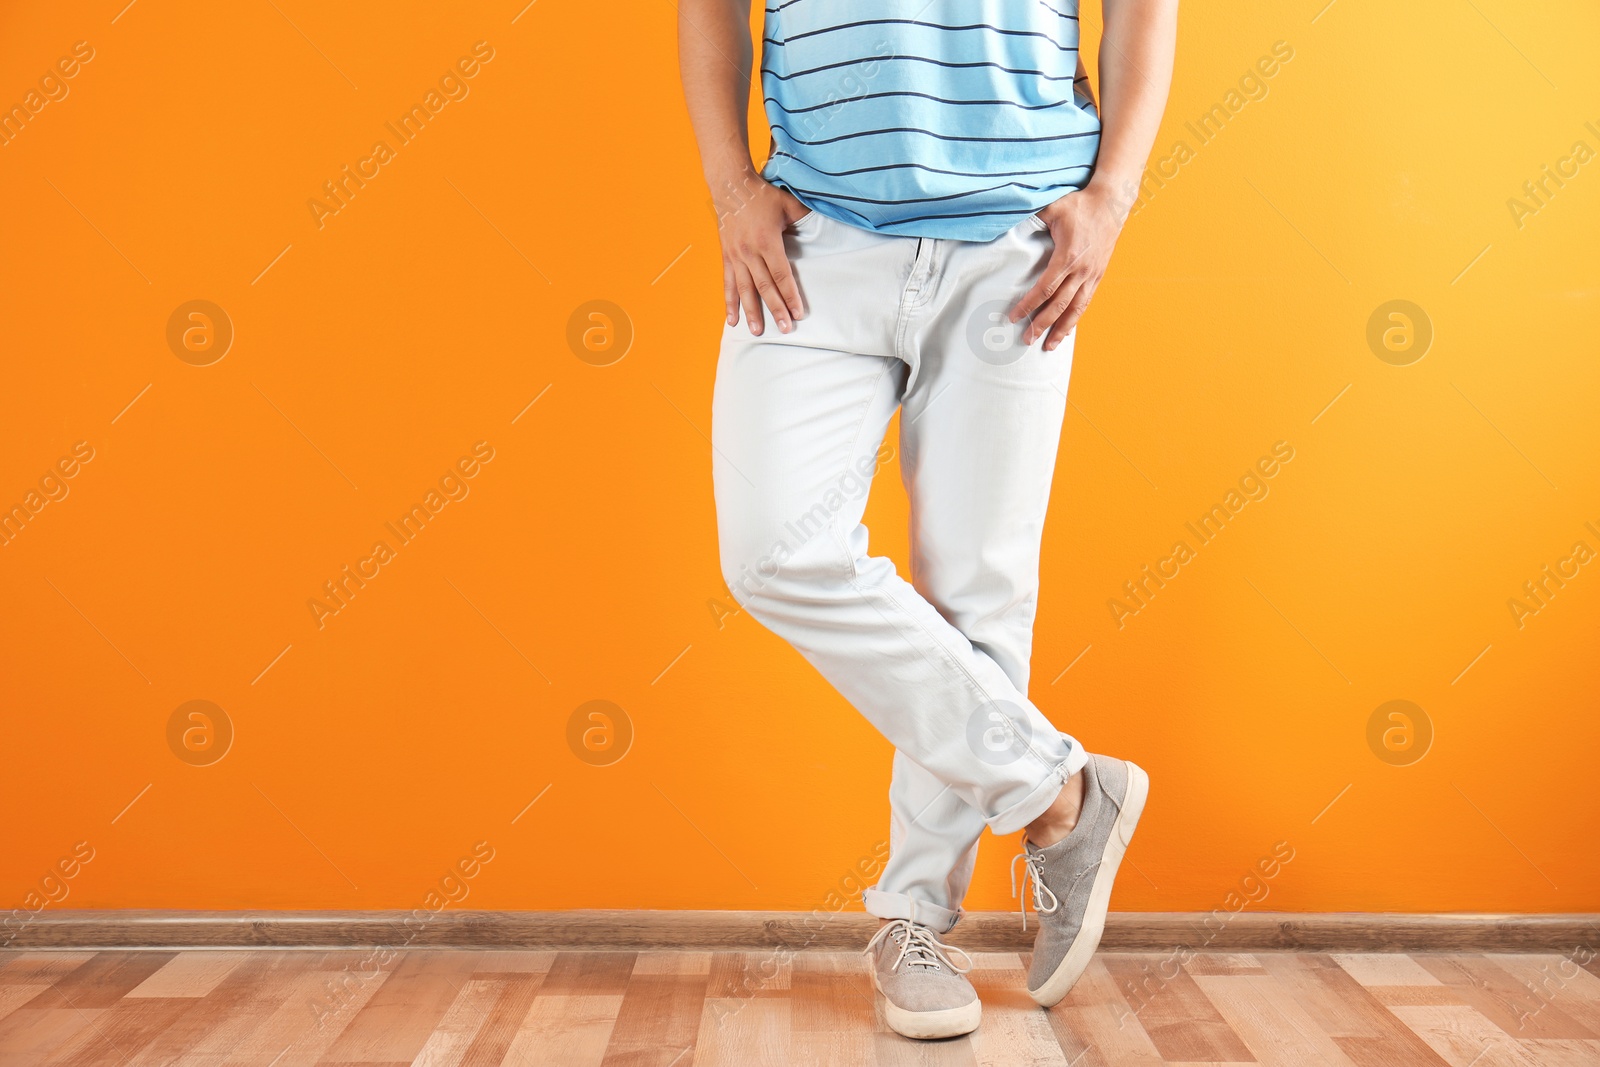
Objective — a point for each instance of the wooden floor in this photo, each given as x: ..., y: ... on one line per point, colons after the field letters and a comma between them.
x: 671, y: 1009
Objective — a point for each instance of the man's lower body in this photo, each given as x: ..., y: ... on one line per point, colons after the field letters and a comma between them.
x: 938, y: 664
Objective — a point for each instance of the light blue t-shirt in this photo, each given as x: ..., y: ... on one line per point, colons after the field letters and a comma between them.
x: 930, y: 118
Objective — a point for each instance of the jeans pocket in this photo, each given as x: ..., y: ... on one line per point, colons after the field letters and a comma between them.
x: 804, y: 220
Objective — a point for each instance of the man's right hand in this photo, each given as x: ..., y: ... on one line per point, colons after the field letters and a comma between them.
x: 755, y: 267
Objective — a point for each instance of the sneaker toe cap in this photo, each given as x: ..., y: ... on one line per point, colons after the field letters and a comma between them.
x: 927, y: 992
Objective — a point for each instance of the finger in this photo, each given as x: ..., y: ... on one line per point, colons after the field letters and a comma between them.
x: 1076, y: 271
x: 1052, y: 310
x: 1067, y: 321
x: 749, y: 299
x: 1062, y: 263
x: 1048, y: 286
x: 730, y: 293
x: 769, y: 293
x: 788, y: 288
x: 1069, y: 318
x: 1030, y: 302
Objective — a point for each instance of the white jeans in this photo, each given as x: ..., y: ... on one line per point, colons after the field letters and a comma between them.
x: 940, y: 664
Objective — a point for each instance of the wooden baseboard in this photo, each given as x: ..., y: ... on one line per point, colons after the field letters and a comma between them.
x: 755, y: 931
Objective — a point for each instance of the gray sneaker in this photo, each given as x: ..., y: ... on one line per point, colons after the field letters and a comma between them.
x: 925, y: 994
x: 1072, y: 878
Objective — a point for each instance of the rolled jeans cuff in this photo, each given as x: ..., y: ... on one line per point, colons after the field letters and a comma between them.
x: 900, y: 906
x: 1038, y: 801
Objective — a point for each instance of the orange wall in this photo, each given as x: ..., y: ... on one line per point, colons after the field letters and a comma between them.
x: 371, y: 352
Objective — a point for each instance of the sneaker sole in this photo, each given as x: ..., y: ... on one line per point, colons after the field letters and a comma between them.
x: 930, y: 1025
x: 1081, y: 951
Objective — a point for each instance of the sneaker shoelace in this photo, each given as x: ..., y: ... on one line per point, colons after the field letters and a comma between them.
x: 1044, y: 901
x: 918, y: 947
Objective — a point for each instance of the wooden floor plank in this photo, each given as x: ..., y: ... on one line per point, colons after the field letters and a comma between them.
x: 588, y: 974
x: 1095, y: 1027
x: 102, y: 980
x: 41, y: 966
x: 1463, y: 1035
x: 997, y: 961
x: 1391, y: 996
x: 33, y: 1035
x: 1384, y: 968
x: 1300, y: 975
x: 1503, y: 1000
x: 658, y: 1022
x: 15, y: 996
x: 396, y: 1020
x: 1014, y: 1029
x: 741, y: 975
x: 1222, y: 963
x: 1554, y: 979
x: 830, y: 992
x: 1181, y: 1022
x: 447, y: 1045
x: 753, y: 1031
x: 502, y: 960
x: 1269, y: 1022
x: 189, y: 974
x: 1365, y: 1031
x: 211, y: 1030
x: 303, y: 1026
x: 673, y: 963
x: 1560, y: 1053
x: 120, y: 1033
x: 517, y: 992
x: 728, y: 977
x: 828, y: 1050
x: 570, y: 1030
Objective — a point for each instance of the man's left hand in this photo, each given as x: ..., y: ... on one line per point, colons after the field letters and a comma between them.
x: 1085, y: 225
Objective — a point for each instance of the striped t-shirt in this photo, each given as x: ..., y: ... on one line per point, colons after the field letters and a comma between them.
x: 929, y: 118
